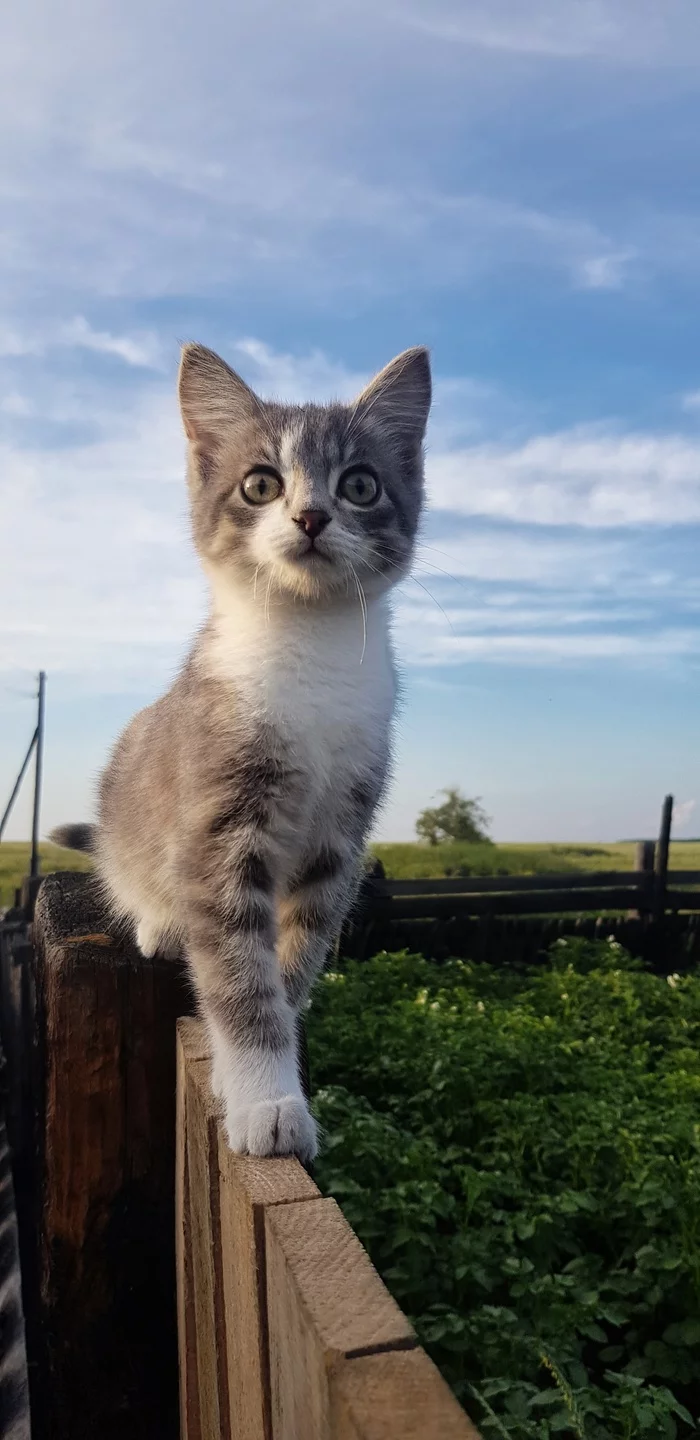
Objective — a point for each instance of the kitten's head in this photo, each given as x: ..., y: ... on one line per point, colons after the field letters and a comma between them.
x: 306, y: 497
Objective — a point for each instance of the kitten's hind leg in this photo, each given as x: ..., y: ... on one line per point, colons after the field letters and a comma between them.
x: 312, y: 913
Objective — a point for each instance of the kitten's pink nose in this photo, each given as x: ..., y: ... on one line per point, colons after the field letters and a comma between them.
x: 312, y: 521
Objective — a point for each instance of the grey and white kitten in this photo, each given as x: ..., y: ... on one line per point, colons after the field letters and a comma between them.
x: 234, y: 811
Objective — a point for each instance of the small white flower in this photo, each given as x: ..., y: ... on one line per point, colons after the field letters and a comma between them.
x: 564, y: 995
x: 480, y: 1006
x: 560, y: 944
x: 421, y: 997
x: 672, y: 980
x: 435, y: 1005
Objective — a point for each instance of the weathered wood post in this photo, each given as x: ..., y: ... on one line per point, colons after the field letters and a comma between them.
x: 105, y: 1189
x: 644, y: 869
x: 662, y: 853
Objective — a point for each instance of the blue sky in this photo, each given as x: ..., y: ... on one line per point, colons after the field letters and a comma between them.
x: 310, y: 189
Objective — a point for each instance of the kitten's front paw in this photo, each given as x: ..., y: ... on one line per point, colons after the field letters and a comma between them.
x: 272, y: 1127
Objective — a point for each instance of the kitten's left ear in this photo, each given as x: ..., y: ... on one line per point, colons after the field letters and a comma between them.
x: 398, y: 398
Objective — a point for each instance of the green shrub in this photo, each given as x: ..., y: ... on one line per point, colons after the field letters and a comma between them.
x: 521, y: 1156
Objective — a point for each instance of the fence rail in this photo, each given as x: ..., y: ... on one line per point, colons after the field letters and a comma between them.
x: 641, y: 891
x: 286, y: 1331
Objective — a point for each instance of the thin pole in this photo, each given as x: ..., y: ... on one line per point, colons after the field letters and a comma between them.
x: 18, y: 782
x: 34, y: 865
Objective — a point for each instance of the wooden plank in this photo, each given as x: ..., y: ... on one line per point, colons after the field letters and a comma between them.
x: 682, y: 900
x: 644, y: 866
x: 325, y: 1303
x: 227, y: 1229
x: 661, y: 859
x: 395, y: 1395
x: 190, y: 1427
x: 249, y: 1189
x: 106, y: 1032
x: 205, y: 1236
x: 541, y: 903
x: 504, y: 884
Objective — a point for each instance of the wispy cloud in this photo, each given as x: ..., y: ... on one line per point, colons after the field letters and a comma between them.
x: 142, y: 350
x: 683, y: 812
x: 584, y: 476
x: 109, y: 585
x: 608, y: 30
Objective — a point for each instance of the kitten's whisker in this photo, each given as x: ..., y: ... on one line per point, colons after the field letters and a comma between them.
x: 421, y: 586
x: 363, y: 608
x: 267, y: 599
x: 429, y: 593
x: 255, y: 583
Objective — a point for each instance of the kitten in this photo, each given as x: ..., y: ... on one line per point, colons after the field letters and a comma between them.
x: 234, y: 811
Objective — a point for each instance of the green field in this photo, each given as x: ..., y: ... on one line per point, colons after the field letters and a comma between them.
x: 14, y: 864
x: 409, y: 861
x: 423, y: 862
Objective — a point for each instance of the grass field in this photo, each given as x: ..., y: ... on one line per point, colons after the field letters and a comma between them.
x: 14, y: 864
x: 409, y: 861
x: 423, y: 862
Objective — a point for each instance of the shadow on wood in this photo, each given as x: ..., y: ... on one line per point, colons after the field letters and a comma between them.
x: 105, y: 1347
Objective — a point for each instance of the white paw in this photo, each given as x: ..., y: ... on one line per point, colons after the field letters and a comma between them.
x: 272, y: 1127
x: 152, y: 941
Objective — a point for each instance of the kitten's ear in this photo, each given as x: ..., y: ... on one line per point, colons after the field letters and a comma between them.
x: 213, y: 398
x: 398, y: 398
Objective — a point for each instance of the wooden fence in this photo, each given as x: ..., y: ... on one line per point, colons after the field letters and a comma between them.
x: 286, y: 1331
x: 652, y: 911
x: 143, y: 1236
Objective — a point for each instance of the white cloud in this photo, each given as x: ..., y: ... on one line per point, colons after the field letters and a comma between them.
x: 142, y: 350
x: 425, y: 642
x: 605, y: 272
x: 295, y: 378
x: 106, y: 584
x: 583, y: 476
x: 683, y: 813
x: 137, y: 168
x: 609, y: 30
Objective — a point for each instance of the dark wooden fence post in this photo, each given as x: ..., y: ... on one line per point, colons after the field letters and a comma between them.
x: 644, y: 868
x: 662, y: 852
x: 106, y: 1023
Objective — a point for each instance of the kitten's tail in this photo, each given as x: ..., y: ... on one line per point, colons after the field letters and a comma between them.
x: 75, y: 837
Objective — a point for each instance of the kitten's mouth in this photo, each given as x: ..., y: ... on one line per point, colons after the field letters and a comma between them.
x: 310, y: 554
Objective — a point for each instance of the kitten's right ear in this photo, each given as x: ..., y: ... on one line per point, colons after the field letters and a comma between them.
x: 213, y: 398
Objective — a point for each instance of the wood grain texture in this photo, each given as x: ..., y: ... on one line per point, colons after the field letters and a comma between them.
x: 395, y: 1395
x: 190, y: 1427
x: 205, y: 1236
x: 248, y: 1188
x: 231, y: 1319
x: 325, y: 1303
x: 106, y: 1033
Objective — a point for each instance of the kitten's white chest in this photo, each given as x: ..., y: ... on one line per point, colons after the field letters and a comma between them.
x: 324, y: 682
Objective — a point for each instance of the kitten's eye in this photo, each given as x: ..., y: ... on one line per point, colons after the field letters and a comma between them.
x: 261, y: 486
x: 359, y: 487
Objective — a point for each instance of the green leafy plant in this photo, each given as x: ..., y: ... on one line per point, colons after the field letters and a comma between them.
x: 520, y: 1154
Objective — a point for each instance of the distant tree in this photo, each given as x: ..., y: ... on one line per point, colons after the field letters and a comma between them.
x: 456, y: 819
